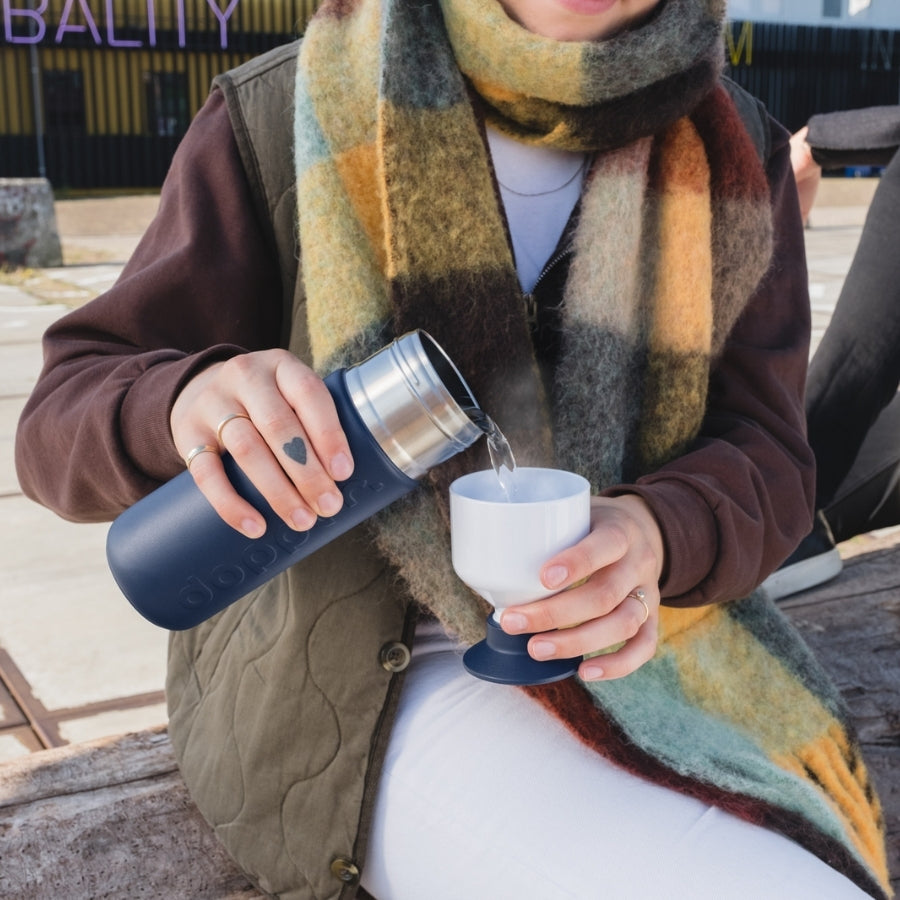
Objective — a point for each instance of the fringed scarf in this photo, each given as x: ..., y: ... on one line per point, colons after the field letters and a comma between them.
x: 402, y: 227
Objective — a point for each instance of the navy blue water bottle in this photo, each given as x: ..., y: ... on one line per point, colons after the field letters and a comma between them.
x: 403, y: 411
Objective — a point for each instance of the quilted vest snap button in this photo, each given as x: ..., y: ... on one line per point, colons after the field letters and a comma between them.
x: 345, y: 870
x: 394, y: 656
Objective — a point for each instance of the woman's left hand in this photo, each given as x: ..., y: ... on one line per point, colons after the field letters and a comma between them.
x: 600, y: 580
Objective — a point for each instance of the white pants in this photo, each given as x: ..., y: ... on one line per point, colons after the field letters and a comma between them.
x: 485, y: 796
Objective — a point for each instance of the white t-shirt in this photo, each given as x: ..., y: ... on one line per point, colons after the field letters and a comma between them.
x: 540, y: 187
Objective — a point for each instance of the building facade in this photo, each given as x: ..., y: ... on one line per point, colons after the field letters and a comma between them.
x: 880, y: 14
x: 807, y: 56
x: 96, y: 94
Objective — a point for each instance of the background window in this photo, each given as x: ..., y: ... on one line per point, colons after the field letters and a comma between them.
x: 64, y: 102
x: 167, y: 103
x: 831, y: 9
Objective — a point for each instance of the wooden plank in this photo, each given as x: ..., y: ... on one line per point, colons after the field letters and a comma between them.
x: 853, y: 626
x: 109, y: 818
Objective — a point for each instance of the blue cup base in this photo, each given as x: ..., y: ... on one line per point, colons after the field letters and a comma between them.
x: 503, y: 659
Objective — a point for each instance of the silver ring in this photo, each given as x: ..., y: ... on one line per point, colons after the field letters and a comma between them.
x: 203, y: 448
x: 639, y: 595
x: 226, y: 420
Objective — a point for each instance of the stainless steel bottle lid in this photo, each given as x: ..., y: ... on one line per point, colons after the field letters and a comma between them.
x: 412, y: 399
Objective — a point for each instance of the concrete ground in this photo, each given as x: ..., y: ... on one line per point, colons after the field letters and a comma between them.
x: 76, y: 662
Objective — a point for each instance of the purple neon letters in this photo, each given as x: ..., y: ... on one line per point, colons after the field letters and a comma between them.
x: 98, y: 19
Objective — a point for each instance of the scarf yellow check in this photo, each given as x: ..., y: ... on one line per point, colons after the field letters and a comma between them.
x: 401, y: 227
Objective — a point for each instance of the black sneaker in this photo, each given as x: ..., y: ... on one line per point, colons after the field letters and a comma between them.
x: 814, y: 562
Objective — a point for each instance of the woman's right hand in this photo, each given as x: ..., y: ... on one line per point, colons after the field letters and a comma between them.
x: 283, y: 432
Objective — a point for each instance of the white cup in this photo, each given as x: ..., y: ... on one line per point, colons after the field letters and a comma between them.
x: 499, y: 542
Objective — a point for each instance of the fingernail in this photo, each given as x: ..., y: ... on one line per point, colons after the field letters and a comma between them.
x: 591, y: 672
x: 555, y: 576
x: 328, y: 504
x: 303, y: 519
x: 341, y: 467
x: 513, y: 623
x: 542, y: 649
x: 253, y: 528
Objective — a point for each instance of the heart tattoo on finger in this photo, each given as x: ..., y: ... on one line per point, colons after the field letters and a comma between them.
x: 296, y: 450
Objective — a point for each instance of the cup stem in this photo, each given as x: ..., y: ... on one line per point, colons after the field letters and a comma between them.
x: 503, y: 659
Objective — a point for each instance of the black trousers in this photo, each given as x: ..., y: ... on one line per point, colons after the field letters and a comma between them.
x: 852, y: 405
x: 869, y: 497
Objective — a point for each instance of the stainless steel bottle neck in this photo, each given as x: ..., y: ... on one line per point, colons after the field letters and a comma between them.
x: 412, y: 398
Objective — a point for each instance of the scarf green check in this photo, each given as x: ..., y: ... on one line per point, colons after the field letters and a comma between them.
x: 401, y: 228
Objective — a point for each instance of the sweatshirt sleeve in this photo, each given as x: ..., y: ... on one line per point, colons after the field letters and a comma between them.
x: 855, y: 137
x: 737, y: 503
x: 202, y: 286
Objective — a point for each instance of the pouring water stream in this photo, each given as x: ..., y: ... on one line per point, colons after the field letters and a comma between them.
x: 502, y: 459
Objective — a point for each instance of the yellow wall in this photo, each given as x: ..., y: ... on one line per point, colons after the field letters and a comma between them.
x: 15, y: 95
x: 114, y: 85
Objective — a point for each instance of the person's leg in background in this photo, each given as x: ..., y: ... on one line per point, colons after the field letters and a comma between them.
x: 869, y: 497
x: 855, y: 371
x: 853, y: 376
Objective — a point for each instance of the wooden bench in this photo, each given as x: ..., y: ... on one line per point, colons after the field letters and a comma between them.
x: 112, y: 818
x: 108, y: 818
x: 853, y: 625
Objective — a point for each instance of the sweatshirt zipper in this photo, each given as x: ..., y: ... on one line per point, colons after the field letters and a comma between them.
x: 531, y: 304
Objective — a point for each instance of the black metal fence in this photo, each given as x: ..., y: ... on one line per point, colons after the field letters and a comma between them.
x: 97, y: 93
x: 801, y: 70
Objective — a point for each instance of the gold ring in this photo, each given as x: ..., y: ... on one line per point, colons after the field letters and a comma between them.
x: 639, y: 595
x: 226, y: 420
x: 203, y: 448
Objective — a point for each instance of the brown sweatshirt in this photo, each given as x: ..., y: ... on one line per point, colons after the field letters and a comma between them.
x: 203, y: 285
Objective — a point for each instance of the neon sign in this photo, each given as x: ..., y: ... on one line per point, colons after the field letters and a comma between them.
x: 31, y: 26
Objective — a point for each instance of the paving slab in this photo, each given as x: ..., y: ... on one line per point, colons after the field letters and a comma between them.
x: 62, y: 617
x: 25, y: 323
x: 75, y: 285
x: 122, y: 216
x: 10, y: 410
x: 115, y: 721
x: 11, y: 294
x: 18, y: 742
x: 10, y: 714
x: 19, y: 369
x: 21, y: 325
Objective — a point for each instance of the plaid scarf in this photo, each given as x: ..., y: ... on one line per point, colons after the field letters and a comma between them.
x: 401, y: 227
